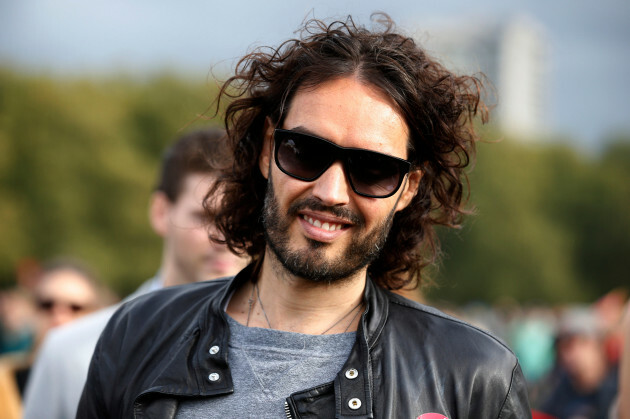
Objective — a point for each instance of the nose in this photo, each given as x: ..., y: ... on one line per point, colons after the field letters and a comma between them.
x: 61, y: 315
x: 332, y: 187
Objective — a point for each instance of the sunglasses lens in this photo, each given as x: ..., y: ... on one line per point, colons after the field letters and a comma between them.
x: 76, y: 307
x: 373, y: 174
x: 45, y: 305
x: 304, y: 158
x: 48, y: 305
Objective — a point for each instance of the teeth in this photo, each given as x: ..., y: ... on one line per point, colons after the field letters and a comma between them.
x: 326, y: 226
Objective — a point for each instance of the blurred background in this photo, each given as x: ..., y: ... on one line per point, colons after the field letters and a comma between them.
x: 92, y: 92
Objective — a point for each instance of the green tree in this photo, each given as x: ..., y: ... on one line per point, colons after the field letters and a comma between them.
x: 508, y: 248
x: 78, y: 162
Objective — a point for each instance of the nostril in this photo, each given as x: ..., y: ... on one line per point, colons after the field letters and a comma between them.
x: 332, y: 187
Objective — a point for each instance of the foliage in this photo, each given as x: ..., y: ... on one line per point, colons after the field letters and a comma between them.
x: 550, y: 225
x: 78, y: 161
x: 79, y: 158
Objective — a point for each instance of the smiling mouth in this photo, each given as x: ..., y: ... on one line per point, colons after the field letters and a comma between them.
x: 324, y: 226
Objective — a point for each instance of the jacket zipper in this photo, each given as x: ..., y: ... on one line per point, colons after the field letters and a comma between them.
x: 287, y: 410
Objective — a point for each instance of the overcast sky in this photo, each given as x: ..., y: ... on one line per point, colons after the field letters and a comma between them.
x: 589, y: 41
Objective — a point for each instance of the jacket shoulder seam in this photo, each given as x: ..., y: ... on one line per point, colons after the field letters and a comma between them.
x: 509, y: 391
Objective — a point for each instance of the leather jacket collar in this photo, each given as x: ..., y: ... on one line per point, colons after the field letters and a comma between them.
x: 211, y: 355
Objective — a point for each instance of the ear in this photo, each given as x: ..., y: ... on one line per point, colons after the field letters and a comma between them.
x: 267, y: 149
x: 410, y: 189
x: 159, y: 209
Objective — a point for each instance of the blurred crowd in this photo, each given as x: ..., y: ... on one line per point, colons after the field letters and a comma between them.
x: 570, y: 354
x: 45, y: 296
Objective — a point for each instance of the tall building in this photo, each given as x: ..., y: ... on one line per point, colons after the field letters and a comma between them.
x: 514, y: 55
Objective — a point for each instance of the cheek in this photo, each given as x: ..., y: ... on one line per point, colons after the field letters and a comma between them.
x: 286, y: 189
x: 185, y: 236
x: 201, y: 235
x: 195, y: 238
x: 375, y: 211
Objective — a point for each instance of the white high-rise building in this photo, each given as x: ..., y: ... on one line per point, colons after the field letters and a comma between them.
x: 513, y: 55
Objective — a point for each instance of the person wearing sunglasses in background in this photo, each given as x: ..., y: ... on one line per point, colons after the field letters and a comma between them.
x: 349, y: 147
x: 176, y: 213
x: 65, y: 290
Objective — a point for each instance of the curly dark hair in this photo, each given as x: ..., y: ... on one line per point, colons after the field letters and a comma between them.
x: 438, y: 106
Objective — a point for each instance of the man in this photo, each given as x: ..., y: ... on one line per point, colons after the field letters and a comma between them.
x: 176, y: 213
x: 65, y: 290
x: 585, y: 384
x: 349, y: 145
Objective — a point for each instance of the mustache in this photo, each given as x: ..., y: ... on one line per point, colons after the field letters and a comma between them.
x: 311, y: 203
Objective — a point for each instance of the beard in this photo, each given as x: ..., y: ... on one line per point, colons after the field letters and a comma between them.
x: 312, y: 263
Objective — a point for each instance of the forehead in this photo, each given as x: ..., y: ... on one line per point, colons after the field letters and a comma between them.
x: 64, y: 282
x: 351, y: 114
x: 194, y: 188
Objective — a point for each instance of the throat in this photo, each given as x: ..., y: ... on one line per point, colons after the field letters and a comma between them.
x: 288, y: 303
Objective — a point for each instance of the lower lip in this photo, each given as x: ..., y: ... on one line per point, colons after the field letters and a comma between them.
x: 319, y: 234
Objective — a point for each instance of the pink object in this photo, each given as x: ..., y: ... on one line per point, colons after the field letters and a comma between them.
x: 540, y: 415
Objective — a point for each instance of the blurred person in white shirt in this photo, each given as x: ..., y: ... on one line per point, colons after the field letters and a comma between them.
x: 178, y: 216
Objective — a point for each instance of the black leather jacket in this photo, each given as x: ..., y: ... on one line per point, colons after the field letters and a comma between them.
x: 411, y: 359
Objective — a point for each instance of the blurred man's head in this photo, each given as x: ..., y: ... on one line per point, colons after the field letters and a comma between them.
x: 67, y: 291
x: 177, y: 214
x: 580, y: 348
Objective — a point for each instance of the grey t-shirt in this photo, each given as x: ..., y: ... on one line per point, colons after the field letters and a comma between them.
x: 269, y: 365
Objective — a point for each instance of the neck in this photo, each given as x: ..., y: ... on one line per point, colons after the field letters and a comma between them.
x: 298, y: 305
x: 170, y: 273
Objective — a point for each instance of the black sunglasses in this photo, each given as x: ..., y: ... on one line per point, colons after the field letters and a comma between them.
x: 307, y: 157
